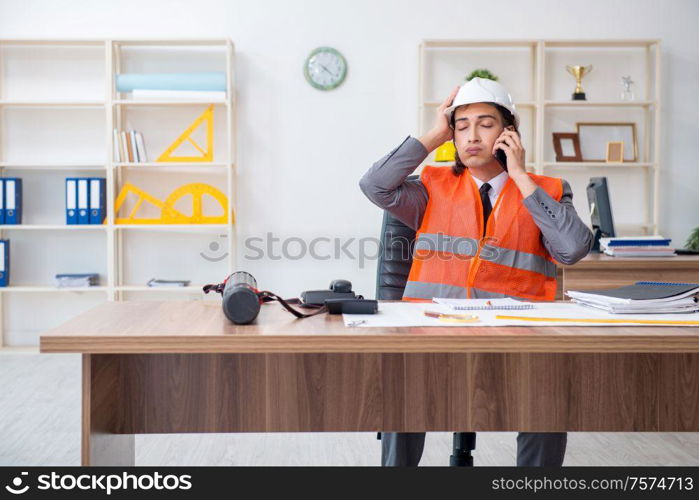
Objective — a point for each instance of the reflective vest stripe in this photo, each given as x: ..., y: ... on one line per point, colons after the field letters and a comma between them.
x: 460, y: 245
x: 477, y: 293
x: 523, y: 284
x: 440, y: 242
x: 427, y: 291
x: 519, y: 260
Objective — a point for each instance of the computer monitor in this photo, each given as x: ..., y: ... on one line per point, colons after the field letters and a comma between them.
x: 600, y: 210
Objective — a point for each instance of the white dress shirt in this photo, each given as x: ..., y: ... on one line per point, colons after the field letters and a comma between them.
x: 496, y: 185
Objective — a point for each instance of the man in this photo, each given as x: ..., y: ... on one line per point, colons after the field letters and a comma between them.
x: 482, y: 231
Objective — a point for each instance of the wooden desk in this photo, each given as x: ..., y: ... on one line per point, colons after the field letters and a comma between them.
x: 180, y: 366
x: 603, y: 271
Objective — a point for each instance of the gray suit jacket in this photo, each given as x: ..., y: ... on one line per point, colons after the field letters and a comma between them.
x: 563, y: 234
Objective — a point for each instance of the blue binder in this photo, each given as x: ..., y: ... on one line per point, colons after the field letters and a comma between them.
x: 98, y: 194
x: 83, y: 201
x: 4, y: 262
x: 13, y: 200
x: 71, y: 200
x: 2, y: 201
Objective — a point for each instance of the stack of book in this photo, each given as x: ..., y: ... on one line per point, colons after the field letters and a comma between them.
x: 642, y: 297
x: 637, y: 246
x: 77, y: 280
x: 158, y: 283
x: 129, y: 147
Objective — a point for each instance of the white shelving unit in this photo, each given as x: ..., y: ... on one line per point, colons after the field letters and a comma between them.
x: 58, y: 108
x: 534, y: 73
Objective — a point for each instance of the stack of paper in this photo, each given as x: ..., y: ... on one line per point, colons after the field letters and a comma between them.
x: 77, y: 280
x: 167, y: 283
x: 643, y: 297
x: 637, y: 246
x: 412, y: 314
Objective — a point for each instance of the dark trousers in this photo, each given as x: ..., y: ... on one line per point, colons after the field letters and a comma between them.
x: 534, y: 449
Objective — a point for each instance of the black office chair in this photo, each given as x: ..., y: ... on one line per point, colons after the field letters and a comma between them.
x: 395, y: 258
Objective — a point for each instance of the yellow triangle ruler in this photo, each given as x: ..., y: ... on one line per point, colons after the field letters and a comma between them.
x: 168, y: 213
x: 207, y: 155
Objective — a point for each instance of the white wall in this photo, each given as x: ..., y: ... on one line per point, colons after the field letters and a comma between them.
x: 301, y: 152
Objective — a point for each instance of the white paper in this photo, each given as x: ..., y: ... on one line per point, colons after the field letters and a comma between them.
x: 688, y: 304
x: 2, y: 256
x: 399, y: 314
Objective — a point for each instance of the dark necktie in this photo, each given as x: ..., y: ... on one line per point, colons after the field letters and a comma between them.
x: 485, y: 200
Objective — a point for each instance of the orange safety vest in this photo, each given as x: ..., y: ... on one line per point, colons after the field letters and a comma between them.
x: 451, y: 257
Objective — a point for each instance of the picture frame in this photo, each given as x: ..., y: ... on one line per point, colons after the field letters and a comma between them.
x: 567, y: 146
x: 594, y: 137
x: 615, y: 152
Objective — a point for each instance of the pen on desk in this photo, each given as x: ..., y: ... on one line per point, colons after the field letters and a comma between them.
x: 357, y: 322
x: 462, y: 317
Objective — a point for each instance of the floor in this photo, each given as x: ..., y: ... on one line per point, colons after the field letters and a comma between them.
x: 40, y: 425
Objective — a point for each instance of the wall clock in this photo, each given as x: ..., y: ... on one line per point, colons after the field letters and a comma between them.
x: 325, y: 68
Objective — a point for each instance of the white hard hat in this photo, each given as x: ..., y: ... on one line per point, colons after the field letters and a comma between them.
x: 483, y: 90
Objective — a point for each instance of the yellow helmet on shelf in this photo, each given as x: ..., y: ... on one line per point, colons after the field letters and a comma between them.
x: 445, y: 152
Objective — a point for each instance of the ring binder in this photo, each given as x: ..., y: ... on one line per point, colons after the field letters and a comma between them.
x: 4, y: 263
x: 71, y: 200
x: 83, y: 203
x: 13, y: 200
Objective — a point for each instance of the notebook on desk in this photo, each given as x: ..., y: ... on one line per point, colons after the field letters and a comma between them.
x: 645, y: 290
x: 641, y: 297
x: 506, y: 304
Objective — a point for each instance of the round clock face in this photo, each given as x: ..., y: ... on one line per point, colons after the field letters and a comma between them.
x: 325, y: 68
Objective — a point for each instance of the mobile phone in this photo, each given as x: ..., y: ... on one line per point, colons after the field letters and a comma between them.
x: 501, y: 156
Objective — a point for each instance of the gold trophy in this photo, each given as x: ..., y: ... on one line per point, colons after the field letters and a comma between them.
x: 578, y: 72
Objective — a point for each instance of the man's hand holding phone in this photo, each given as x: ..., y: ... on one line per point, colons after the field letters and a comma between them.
x: 510, y: 143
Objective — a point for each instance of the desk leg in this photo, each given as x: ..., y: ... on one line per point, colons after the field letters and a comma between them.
x: 100, y: 413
